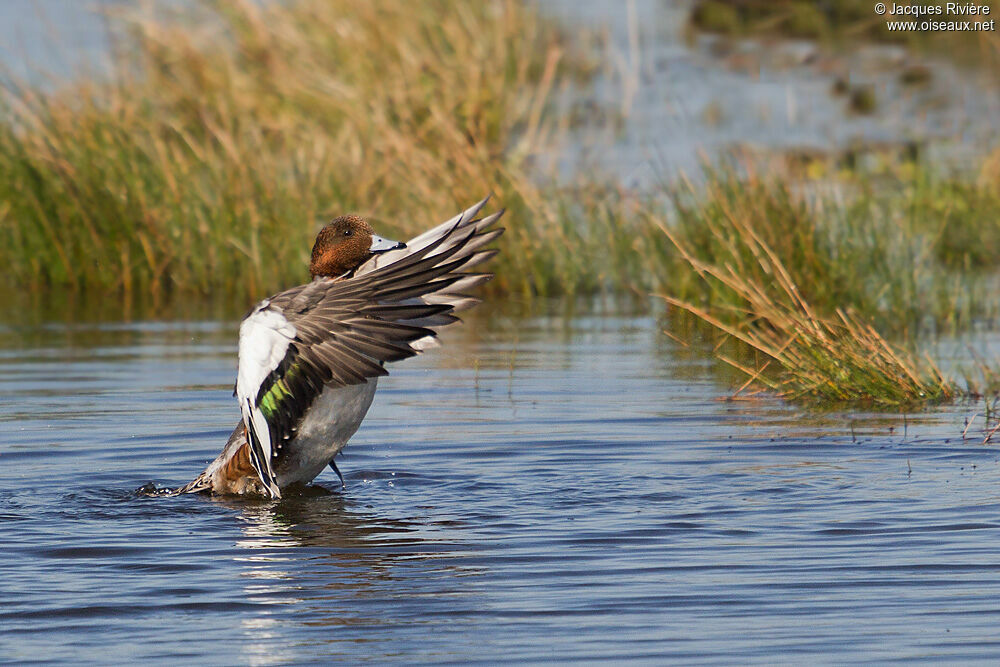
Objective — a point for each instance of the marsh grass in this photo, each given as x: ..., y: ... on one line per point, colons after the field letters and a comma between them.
x: 907, y: 254
x: 807, y: 357
x: 830, y: 291
x: 209, y: 158
x: 219, y: 144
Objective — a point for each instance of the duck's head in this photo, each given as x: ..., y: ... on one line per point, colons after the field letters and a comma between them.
x: 344, y: 245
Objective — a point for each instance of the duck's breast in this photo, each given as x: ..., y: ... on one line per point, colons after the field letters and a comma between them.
x: 327, y: 426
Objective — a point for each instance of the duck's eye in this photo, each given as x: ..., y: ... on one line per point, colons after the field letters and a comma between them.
x: 347, y: 232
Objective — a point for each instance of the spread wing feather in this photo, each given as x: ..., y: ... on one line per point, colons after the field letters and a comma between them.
x: 337, y: 332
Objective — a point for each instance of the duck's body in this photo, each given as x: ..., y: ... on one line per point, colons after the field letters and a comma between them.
x: 310, y: 357
x: 325, y: 430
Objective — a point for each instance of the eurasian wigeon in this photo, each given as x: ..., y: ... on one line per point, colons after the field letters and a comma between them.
x: 310, y: 357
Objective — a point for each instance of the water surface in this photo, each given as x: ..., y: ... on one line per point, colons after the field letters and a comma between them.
x: 546, y: 487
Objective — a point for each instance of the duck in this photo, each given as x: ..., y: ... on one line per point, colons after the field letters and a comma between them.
x: 310, y: 357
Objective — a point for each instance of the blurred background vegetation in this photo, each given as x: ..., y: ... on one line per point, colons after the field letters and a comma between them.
x: 224, y: 135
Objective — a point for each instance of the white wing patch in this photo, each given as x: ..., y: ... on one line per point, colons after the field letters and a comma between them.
x: 264, y: 339
x: 425, y: 343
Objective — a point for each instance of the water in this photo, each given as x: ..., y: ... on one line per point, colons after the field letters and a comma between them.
x: 547, y: 487
x: 686, y: 99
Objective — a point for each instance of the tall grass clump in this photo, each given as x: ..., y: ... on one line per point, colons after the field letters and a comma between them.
x: 222, y: 139
x: 882, y: 250
x: 829, y: 288
x: 802, y: 355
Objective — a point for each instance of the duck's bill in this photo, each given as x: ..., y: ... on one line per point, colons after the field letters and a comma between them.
x: 380, y: 244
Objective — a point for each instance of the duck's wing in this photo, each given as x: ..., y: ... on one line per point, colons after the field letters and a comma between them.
x: 341, y: 332
x: 465, y: 235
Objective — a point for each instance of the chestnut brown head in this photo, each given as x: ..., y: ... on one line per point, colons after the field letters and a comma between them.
x: 344, y: 245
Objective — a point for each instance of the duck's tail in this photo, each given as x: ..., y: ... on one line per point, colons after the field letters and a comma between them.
x: 200, y: 484
x: 230, y: 473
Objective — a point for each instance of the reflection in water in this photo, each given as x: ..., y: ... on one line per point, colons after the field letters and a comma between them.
x: 334, y: 561
x: 318, y: 518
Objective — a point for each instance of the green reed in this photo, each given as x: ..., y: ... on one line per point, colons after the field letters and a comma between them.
x: 210, y: 156
x: 830, y: 290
